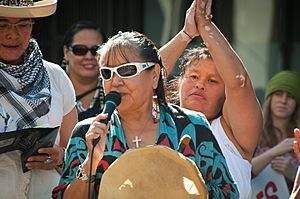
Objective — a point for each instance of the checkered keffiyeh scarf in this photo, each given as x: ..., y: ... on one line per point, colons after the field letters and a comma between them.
x: 25, y: 89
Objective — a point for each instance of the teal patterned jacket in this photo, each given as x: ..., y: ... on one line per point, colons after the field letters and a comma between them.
x: 175, y: 122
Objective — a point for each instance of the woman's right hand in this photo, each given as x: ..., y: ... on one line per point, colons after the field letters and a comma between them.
x: 97, y: 129
x: 190, y: 24
x: 283, y: 147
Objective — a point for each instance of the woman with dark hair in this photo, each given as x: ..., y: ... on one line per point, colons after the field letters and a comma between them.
x: 214, y: 81
x: 81, y: 43
x: 130, y: 64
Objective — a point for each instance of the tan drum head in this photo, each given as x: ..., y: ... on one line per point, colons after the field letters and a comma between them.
x: 156, y: 172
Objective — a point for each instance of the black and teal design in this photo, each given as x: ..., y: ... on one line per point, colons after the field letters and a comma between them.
x: 175, y: 122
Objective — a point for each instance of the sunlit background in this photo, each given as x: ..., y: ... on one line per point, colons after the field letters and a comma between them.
x: 265, y: 33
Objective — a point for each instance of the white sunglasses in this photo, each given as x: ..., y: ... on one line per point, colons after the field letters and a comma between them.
x: 127, y: 70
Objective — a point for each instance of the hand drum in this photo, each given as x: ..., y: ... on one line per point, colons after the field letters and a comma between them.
x: 152, y: 172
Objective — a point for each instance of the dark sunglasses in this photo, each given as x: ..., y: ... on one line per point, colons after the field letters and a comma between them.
x: 125, y: 70
x: 81, y: 50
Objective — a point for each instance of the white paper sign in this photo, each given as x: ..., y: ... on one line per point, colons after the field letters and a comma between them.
x: 269, y: 184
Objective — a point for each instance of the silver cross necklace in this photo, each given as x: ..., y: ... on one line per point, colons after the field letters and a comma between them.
x: 137, y: 141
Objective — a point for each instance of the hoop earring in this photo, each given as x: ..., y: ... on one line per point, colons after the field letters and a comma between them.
x: 155, y: 109
x: 65, y: 64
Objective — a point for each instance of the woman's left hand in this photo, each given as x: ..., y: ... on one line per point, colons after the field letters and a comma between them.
x: 284, y: 166
x: 47, y: 159
x: 203, y: 12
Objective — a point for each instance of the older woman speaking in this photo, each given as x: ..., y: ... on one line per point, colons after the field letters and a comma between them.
x: 130, y: 64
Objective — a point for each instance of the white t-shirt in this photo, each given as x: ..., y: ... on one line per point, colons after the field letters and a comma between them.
x: 239, y: 168
x: 37, y: 184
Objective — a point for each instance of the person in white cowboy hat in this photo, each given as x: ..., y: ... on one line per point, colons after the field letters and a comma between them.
x: 33, y: 92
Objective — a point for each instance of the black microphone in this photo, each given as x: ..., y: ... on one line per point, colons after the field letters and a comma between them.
x: 184, y: 141
x: 112, y: 100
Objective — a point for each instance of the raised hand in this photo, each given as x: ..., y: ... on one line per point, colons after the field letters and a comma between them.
x: 297, y: 143
x: 203, y: 11
x: 190, y: 27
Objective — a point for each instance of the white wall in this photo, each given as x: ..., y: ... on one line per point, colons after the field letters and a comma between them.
x: 253, y: 21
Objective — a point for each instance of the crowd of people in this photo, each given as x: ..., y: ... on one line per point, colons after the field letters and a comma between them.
x: 203, y: 103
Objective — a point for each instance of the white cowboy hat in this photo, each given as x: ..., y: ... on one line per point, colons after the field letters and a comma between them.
x: 29, y: 9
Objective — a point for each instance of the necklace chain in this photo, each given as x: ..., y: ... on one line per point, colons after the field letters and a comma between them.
x: 137, y: 140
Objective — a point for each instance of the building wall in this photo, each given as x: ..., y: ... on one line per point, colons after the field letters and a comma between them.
x: 266, y: 38
x: 110, y: 15
x: 265, y: 33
